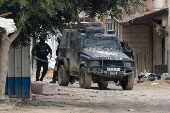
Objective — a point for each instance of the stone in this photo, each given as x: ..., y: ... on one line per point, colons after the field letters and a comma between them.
x: 44, y: 88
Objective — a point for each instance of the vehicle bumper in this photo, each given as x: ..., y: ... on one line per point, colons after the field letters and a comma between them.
x: 105, y: 73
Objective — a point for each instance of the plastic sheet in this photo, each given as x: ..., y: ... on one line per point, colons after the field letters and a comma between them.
x: 8, y: 25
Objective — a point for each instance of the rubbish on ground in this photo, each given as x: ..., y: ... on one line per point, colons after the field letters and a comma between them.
x: 165, y: 76
x: 152, y: 76
x: 143, y: 75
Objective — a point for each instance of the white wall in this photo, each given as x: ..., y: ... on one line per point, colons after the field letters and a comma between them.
x: 158, y: 4
x: 52, y: 42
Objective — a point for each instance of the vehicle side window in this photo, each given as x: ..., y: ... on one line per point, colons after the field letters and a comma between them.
x: 67, y: 42
x: 63, y: 40
x: 67, y: 34
x: 72, y: 41
x: 71, y: 35
x: 78, y: 42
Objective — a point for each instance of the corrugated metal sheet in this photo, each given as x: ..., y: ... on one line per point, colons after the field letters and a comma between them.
x: 18, y: 78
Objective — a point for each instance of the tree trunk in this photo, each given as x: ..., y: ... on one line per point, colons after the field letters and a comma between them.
x: 4, y: 50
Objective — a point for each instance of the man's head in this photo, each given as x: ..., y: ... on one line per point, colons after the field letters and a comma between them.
x: 42, y: 39
x: 122, y: 43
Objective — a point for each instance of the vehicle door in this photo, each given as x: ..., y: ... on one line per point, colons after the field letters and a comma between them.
x: 74, y: 48
x: 64, y: 43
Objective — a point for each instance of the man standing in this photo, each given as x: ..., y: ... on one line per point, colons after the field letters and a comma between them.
x: 126, y: 49
x: 39, y: 53
x: 55, y: 73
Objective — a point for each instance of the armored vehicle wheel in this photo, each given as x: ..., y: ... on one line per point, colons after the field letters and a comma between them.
x: 63, y: 77
x: 127, y: 82
x: 103, y: 84
x: 85, y: 79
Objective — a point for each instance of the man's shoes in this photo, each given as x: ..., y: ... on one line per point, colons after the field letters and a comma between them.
x: 52, y: 82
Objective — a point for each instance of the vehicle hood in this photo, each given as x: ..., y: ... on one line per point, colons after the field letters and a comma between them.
x: 111, y: 55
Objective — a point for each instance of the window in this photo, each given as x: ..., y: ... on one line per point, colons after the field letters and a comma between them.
x: 110, y: 26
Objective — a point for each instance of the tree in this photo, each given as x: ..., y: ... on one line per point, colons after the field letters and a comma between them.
x: 42, y: 17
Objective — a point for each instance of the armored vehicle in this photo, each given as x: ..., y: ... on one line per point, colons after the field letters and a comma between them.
x: 93, y: 57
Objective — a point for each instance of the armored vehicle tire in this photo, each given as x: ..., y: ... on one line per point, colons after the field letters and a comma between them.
x: 127, y: 82
x: 63, y: 77
x: 103, y: 84
x: 85, y: 79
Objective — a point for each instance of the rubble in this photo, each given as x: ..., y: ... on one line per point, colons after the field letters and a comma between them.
x: 144, y: 76
x: 44, y: 88
x: 165, y: 76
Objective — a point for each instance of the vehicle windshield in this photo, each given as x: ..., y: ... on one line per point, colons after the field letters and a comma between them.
x: 101, y: 42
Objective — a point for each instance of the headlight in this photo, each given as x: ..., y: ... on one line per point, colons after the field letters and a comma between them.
x: 94, y: 63
x: 129, y: 64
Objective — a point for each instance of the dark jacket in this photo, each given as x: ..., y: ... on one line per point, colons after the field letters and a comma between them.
x: 126, y: 49
x: 41, y: 50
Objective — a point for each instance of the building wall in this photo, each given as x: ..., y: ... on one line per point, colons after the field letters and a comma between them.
x: 137, y: 37
x: 103, y: 24
x: 157, y: 49
x: 150, y: 4
x: 167, y: 37
x: 138, y: 40
x: 157, y: 46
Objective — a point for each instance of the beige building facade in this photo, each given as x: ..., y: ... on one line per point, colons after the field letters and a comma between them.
x: 106, y: 21
x: 147, y: 29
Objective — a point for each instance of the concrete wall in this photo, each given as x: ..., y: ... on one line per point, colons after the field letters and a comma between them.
x: 150, y: 4
x: 138, y: 40
x: 103, y: 24
x: 157, y: 46
x: 137, y: 37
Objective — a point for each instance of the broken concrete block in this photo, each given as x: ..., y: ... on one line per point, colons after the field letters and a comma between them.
x: 44, y: 88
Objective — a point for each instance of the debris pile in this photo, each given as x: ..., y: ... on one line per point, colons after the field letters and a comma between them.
x: 144, y: 76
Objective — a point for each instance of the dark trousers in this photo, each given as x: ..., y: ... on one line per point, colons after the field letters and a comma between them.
x: 55, y: 73
x: 45, y: 69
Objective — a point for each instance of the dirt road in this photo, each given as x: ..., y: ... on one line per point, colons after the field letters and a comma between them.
x: 145, y: 97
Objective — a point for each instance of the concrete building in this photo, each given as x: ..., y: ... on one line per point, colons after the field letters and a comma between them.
x: 146, y: 29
